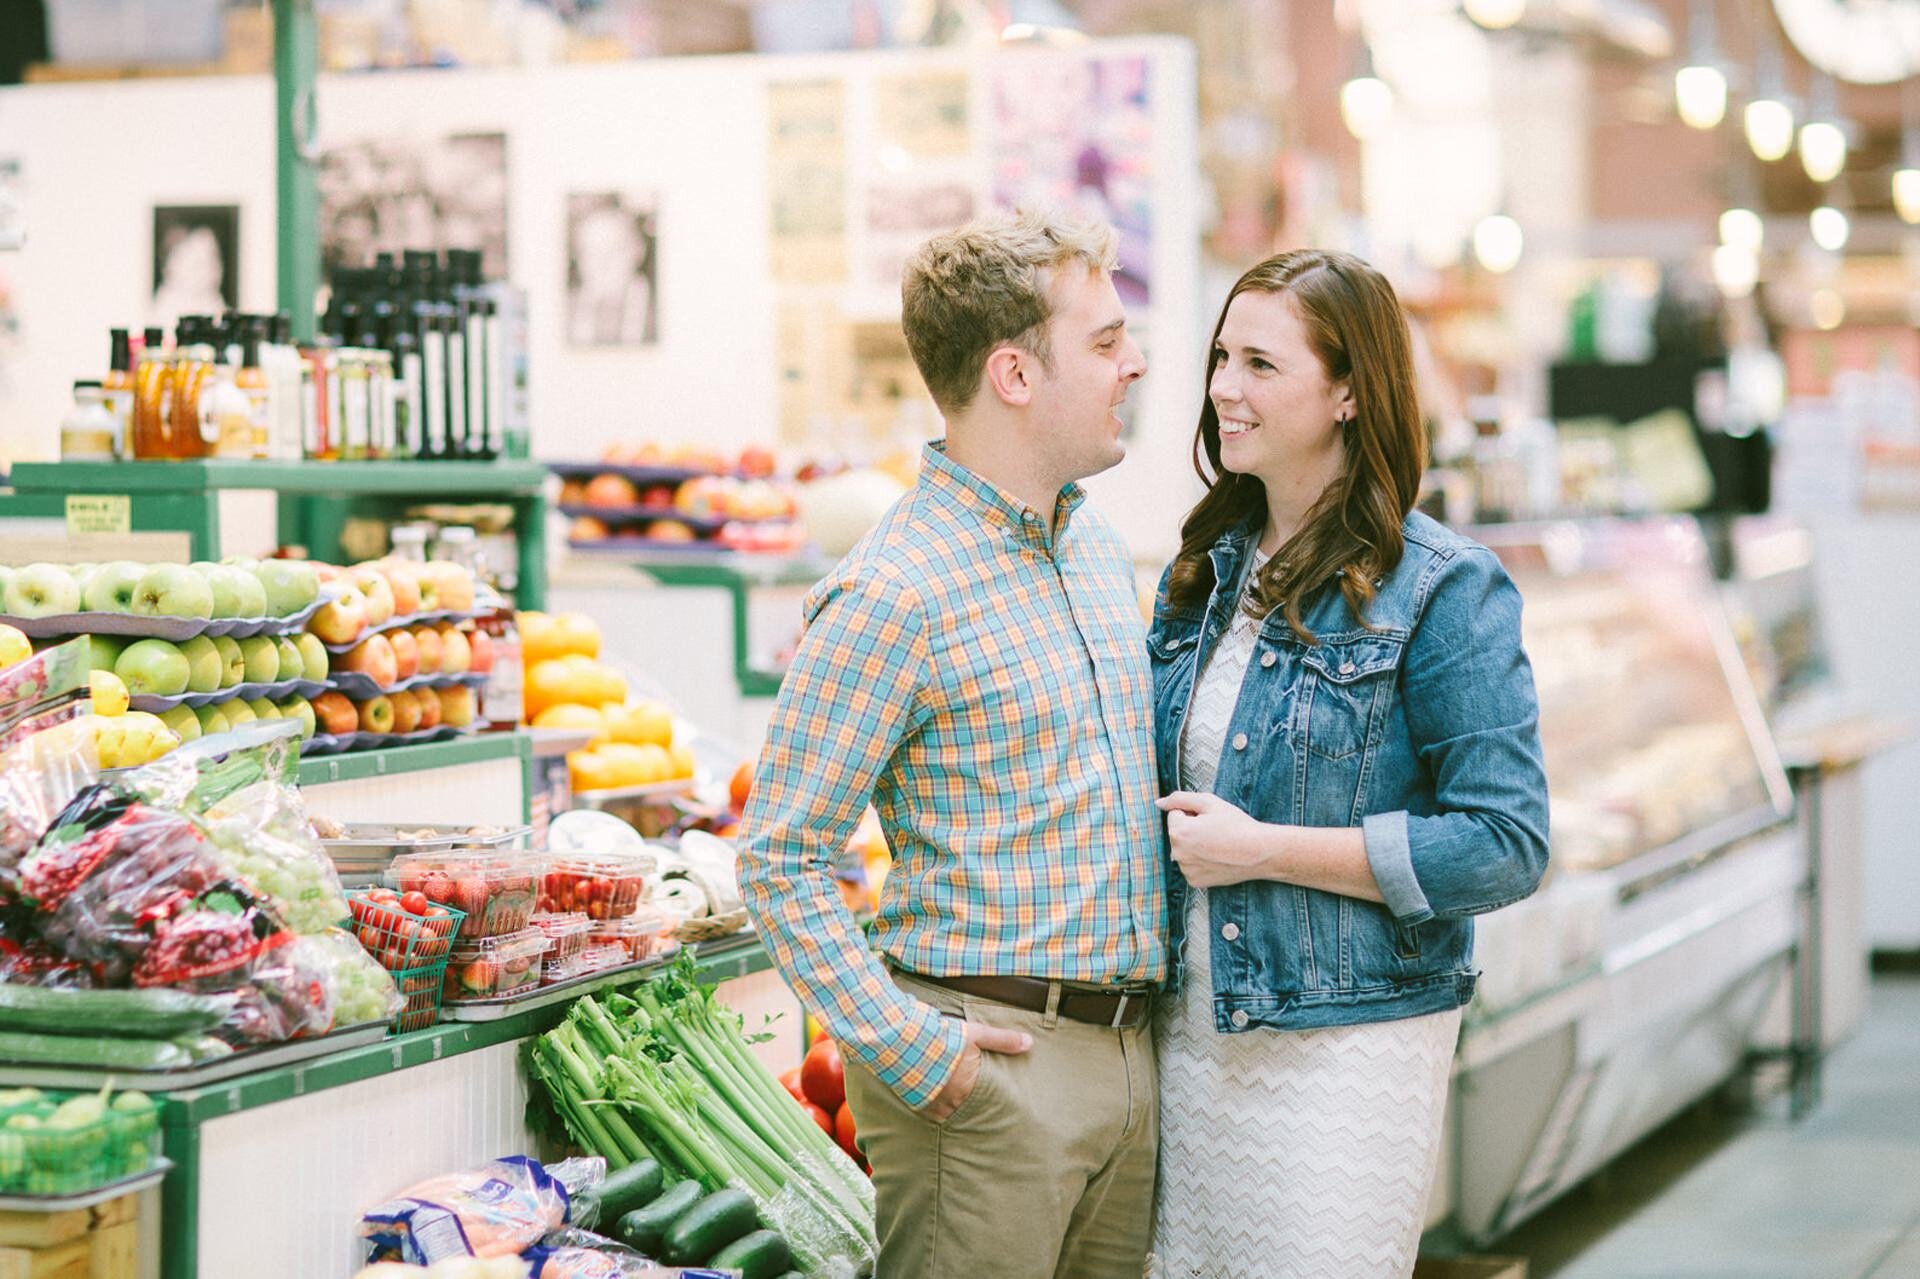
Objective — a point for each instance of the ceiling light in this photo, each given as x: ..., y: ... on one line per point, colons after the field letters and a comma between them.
x: 1830, y: 228
x: 1495, y: 15
x: 1823, y: 139
x: 1700, y: 87
x: 1497, y: 243
x: 1769, y: 128
x: 1828, y: 308
x: 1736, y: 270
x: 1742, y: 229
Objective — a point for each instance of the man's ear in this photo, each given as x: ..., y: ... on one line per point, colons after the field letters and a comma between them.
x: 1008, y: 375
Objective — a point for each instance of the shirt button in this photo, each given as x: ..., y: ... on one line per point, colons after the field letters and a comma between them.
x: 1346, y: 668
x: 1239, y: 741
x: 1230, y: 931
x: 1239, y: 1018
x: 1268, y: 659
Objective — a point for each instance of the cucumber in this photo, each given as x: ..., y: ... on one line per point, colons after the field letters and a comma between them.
x: 141, y: 1014
x: 643, y: 1228
x: 760, y: 1255
x: 709, y: 1226
x: 107, y: 1054
x: 635, y: 1186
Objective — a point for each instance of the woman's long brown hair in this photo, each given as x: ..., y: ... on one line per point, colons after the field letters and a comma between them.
x: 1355, y: 325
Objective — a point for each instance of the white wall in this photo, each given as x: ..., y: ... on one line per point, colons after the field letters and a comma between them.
x: 97, y: 157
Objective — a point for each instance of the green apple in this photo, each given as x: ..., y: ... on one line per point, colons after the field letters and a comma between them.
x: 153, y: 666
x: 292, y: 664
x: 213, y: 719
x: 82, y: 574
x: 236, y: 592
x: 262, y: 659
x: 41, y: 590
x: 105, y: 650
x: 5, y: 573
x: 238, y: 713
x: 290, y: 585
x: 183, y: 721
x: 233, y: 663
x: 299, y: 708
x: 262, y: 708
x: 110, y: 589
x: 315, y: 661
x: 204, y: 666
x: 172, y: 590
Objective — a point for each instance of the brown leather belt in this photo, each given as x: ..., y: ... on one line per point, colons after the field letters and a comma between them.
x: 1120, y: 1009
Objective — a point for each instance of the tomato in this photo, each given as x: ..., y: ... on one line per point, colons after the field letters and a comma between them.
x: 843, y: 1131
x: 818, y: 1116
x: 791, y: 1082
x: 385, y: 896
x: 823, y: 1077
x: 414, y: 903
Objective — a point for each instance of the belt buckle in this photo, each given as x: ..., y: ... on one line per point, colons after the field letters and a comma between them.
x: 1119, y: 1011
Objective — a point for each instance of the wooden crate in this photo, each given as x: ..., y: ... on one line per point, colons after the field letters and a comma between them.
x: 82, y: 1243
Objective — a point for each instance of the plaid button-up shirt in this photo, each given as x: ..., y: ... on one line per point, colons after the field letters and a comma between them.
x: 980, y: 672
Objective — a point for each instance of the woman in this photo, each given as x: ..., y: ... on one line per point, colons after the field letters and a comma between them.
x: 1347, y: 725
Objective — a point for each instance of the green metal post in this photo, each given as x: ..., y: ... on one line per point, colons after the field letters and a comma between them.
x: 295, y: 57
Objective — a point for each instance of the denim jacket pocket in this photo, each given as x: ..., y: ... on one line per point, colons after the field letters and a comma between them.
x: 1351, y: 681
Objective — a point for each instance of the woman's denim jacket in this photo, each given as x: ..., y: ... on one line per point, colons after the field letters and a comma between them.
x: 1422, y: 729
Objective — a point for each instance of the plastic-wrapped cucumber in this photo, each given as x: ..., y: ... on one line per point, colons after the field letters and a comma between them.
x: 146, y: 1014
x: 99, y: 1053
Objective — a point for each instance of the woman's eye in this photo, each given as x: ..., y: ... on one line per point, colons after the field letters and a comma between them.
x: 1260, y: 364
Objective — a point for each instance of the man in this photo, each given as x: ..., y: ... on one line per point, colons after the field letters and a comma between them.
x: 976, y: 666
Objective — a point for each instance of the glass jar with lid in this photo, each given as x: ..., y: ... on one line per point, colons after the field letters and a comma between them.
x: 91, y: 430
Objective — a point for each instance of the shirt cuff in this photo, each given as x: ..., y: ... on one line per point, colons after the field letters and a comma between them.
x: 1391, y: 856
x: 926, y: 1061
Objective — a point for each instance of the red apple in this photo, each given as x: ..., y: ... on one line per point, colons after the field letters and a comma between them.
x: 480, y: 645
x: 341, y: 620
x: 406, y: 653
x: 373, y: 657
x: 406, y: 588
x: 406, y: 711
x: 657, y: 498
x: 429, y: 708
x: 335, y: 714
x: 457, y: 706
x: 427, y: 640
x: 376, y: 715
x: 379, y: 593
x: 456, y: 654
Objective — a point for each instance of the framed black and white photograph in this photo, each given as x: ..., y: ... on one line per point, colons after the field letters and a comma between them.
x: 429, y: 193
x: 613, y: 251
x: 196, y: 260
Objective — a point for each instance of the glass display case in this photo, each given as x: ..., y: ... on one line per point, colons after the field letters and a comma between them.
x: 1651, y: 729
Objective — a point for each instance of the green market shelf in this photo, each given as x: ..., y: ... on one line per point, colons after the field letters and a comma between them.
x: 184, y: 1111
x: 182, y: 497
x: 391, y: 760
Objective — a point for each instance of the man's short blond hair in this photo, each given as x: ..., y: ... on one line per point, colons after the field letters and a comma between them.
x: 967, y: 291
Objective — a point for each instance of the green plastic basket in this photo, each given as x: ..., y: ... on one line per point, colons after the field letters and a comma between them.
x: 413, y: 951
x: 422, y: 987
x: 38, y: 1160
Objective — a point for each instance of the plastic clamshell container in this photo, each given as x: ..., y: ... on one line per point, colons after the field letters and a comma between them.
x: 568, y: 932
x: 495, y: 889
x: 555, y: 971
x: 638, y: 934
x: 607, y: 886
x: 603, y: 955
x: 496, y: 967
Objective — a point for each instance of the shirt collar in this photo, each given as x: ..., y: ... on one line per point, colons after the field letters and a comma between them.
x: 944, y: 477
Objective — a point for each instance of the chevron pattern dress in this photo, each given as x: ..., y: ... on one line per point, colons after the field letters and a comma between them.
x: 1286, y: 1154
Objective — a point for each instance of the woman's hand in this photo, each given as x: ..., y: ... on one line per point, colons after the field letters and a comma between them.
x: 1214, y: 843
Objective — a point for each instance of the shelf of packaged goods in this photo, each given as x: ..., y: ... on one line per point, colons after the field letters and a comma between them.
x: 185, y: 1112
x: 316, y: 498
x: 392, y: 760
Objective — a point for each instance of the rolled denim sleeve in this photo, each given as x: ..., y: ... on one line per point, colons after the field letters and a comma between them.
x: 1474, y: 718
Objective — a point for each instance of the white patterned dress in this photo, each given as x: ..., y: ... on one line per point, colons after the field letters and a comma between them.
x: 1286, y: 1154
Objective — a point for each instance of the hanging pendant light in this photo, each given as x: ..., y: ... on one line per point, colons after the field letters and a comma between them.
x: 1700, y: 87
x: 1741, y: 228
x: 1498, y: 242
x: 1906, y: 178
x: 1769, y: 113
x: 1830, y: 228
x: 1366, y: 101
x: 1823, y: 138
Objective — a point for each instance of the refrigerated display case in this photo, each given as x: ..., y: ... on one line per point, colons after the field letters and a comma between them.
x: 1640, y: 975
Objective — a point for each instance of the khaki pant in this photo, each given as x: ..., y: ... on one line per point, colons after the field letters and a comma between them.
x: 1044, y: 1172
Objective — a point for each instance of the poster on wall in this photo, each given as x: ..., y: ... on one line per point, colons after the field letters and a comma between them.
x: 903, y: 213
x: 395, y: 194
x: 1076, y: 134
x: 924, y: 116
x: 613, y: 254
x: 196, y: 261
x: 807, y: 181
